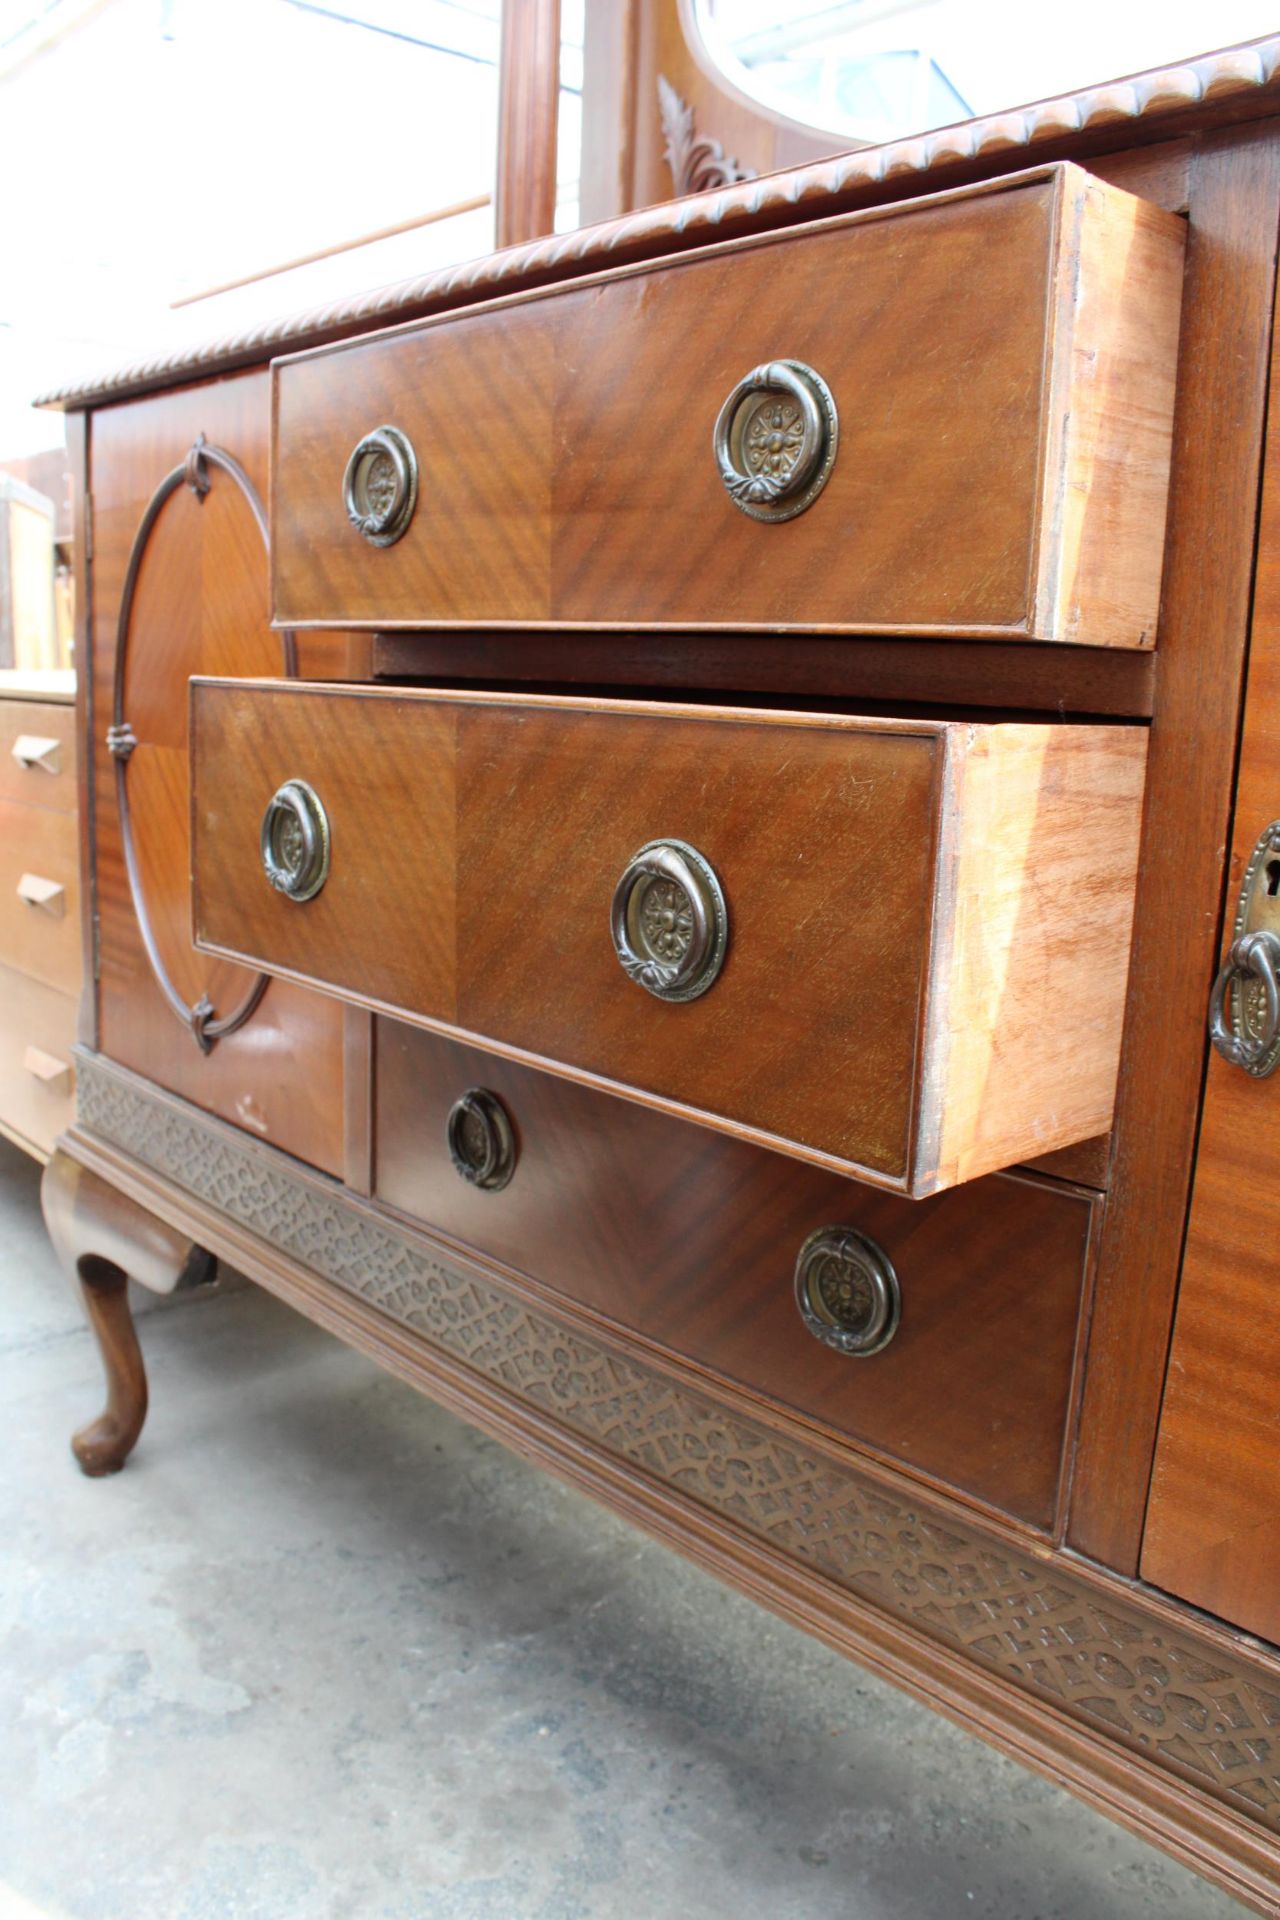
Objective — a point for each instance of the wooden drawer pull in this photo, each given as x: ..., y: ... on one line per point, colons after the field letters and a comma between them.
x: 51, y: 895
x: 53, y: 1073
x: 35, y: 750
x: 847, y: 1291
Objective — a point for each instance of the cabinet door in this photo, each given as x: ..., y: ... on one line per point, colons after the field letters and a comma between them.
x: 180, y: 587
x: 1213, y: 1523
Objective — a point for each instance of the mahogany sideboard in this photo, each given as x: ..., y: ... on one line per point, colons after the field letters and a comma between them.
x: 665, y: 818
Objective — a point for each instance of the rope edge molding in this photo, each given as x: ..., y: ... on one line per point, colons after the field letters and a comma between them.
x: 1180, y: 1700
x: 1164, y: 93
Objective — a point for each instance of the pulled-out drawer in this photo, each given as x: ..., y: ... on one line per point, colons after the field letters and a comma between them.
x: 954, y: 1319
x: 949, y: 417
x: 897, y: 948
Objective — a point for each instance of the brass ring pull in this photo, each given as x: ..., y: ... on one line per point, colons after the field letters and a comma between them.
x: 380, y: 486
x: 775, y: 440
x: 295, y: 841
x: 669, y: 921
x: 847, y: 1291
x: 1250, y: 1038
x: 481, y: 1140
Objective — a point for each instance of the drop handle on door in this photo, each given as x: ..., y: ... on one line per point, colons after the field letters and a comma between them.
x: 1244, y: 1007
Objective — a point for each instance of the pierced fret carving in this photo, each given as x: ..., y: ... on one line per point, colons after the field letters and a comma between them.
x: 1165, y: 1692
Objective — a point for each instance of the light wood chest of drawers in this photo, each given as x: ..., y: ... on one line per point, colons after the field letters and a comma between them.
x: 40, y: 930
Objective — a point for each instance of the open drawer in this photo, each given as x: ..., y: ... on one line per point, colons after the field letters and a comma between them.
x: 895, y: 948
x: 947, y: 417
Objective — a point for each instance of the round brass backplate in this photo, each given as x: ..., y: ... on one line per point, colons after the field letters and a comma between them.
x: 669, y: 921
x: 481, y: 1139
x: 294, y: 841
x: 380, y: 486
x: 775, y: 440
x: 847, y: 1291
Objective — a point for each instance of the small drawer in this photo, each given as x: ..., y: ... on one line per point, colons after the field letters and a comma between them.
x: 40, y: 894
x: 896, y: 948
x: 37, y: 1077
x: 691, y: 1241
x: 952, y: 417
x: 37, y: 754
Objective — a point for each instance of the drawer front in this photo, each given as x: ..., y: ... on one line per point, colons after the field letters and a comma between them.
x: 1001, y: 367
x: 690, y: 1240
x: 40, y: 894
x: 37, y: 754
x: 887, y: 934
x: 37, y: 1078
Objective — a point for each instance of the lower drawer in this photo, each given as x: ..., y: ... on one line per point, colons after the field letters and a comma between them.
x: 37, y: 1028
x: 690, y: 1241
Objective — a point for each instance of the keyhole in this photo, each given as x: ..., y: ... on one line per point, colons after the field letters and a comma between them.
x: 1273, y: 878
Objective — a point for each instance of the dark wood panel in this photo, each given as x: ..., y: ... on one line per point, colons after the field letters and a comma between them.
x: 201, y: 600
x: 1224, y: 356
x: 1066, y: 680
x: 689, y: 1240
x: 1003, y: 363
x: 1213, y: 1523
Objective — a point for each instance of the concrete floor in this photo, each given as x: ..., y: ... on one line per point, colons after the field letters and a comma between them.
x: 323, y: 1653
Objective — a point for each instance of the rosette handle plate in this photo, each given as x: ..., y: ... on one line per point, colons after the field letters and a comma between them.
x: 775, y: 440
x: 669, y: 921
x: 294, y: 841
x: 847, y: 1291
x: 380, y: 486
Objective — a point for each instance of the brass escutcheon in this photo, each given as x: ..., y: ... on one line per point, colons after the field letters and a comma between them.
x: 1244, y: 1007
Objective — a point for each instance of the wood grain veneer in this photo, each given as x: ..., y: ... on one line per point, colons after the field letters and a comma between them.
x: 906, y: 898
x: 1225, y: 357
x: 1002, y: 359
x: 687, y: 1242
x: 201, y: 603
x: 1213, y: 1523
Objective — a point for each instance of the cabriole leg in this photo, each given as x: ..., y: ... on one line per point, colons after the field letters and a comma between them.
x: 103, y: 1238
